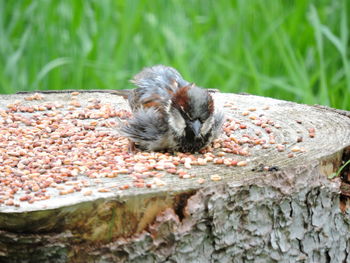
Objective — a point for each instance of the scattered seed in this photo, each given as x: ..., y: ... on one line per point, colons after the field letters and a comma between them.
x: 24, y: 198
x: 187, y: 165
x: 159, y: 182
x: 218, y: 161
x: 201, y: 180
x: 87, y: 193
x: 186, y: 176
x: 124, y: 187
x: 268, y: 130
x: 242, y: 163
x: 35, y: 96
x: 104, y: 190
x: 216, y: 145
x: 171, y: 171
x: 65, y: 192
x: 215, y: 177
x: 295, y: 149
x: 9, y: 203
x: 227, y: 161
x: 280, y: 147
x: 202, y: 161
x: 311, y: 132
x: 139, y: 184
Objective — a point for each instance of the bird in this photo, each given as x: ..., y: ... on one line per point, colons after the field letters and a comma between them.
x: 169, y: 113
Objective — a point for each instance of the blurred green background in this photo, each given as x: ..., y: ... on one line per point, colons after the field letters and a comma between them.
x: 294, y: 50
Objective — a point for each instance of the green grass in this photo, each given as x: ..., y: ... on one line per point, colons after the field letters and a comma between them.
x: 293, y: 50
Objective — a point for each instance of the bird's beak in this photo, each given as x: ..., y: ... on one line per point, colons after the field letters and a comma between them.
x: 196, y: 127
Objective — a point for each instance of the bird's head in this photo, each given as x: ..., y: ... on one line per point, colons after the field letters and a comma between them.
x: 191, y: 112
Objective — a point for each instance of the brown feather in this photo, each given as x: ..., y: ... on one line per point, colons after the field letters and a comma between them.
x: 181, y: 97
x: 210, y: 104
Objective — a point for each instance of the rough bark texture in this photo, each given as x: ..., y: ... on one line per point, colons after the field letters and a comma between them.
x: 289, y: 215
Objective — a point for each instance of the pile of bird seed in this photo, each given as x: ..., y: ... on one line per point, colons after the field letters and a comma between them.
x: 51, y: 145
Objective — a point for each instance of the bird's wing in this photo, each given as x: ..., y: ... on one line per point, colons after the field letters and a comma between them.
x: 162, y: 77
x: 156, y: 85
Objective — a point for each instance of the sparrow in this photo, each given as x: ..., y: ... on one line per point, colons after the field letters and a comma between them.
x: 170, y: 113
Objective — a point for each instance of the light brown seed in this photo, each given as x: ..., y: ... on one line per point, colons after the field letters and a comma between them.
x: 201, y: 180
x: 242, y: 163
x: 295, y: 149
x: 215, y: 177
x: 104, y: 190
x: 280, y: 147
x: 87, y: 192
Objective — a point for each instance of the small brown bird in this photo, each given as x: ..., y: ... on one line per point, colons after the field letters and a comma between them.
x: 169, y: 113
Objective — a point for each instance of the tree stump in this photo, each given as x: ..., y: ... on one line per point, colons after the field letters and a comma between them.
x: 260, y: 193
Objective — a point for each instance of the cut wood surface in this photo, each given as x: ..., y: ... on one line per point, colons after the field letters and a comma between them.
x: 276, y: 205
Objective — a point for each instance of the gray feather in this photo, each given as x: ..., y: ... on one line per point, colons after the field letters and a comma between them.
x: 149, y: 131
x: 158, y: 77
x: 219, y: 118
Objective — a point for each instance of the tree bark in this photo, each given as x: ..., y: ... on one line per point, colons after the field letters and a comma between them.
x: 281, y: 207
